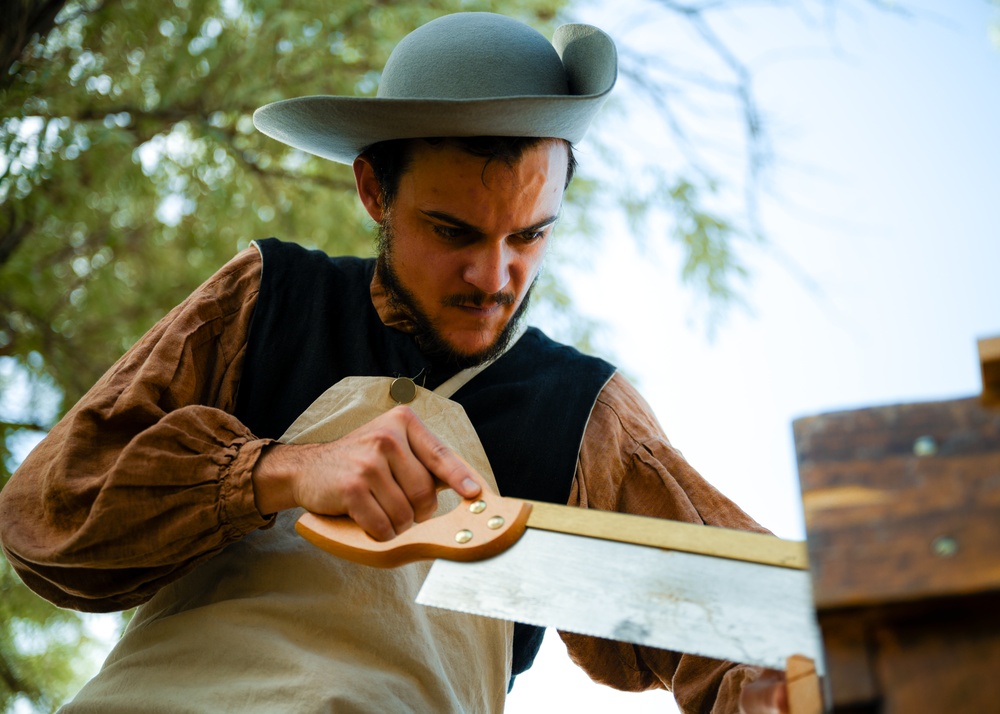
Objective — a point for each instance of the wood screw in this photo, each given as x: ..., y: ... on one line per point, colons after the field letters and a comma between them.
x: 945, y: 546
x: 925, y: 446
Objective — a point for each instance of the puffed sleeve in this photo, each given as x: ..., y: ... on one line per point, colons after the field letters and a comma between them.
x: 149, y: 473
x: 628, y: 465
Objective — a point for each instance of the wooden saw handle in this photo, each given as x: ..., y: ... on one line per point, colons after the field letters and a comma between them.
x: 477, y: 528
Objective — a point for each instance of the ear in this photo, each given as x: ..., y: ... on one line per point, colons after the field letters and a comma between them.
x: 369, y: 190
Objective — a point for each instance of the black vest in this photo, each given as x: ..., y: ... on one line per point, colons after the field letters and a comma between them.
x: 315, y: 324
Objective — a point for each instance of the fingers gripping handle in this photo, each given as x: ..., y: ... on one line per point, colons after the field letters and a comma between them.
x: 477, y: 528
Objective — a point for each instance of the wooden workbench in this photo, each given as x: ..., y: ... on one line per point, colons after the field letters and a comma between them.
x: 902, y: 509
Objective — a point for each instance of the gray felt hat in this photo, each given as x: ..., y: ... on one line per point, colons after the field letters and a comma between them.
x: 467, y: 74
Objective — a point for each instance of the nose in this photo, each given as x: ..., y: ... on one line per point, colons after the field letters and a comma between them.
x: 489, y: 268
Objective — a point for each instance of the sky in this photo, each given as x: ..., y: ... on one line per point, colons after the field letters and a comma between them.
x: 885, y: 199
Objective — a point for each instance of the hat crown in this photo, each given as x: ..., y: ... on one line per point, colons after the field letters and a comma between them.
x: 473, y: 55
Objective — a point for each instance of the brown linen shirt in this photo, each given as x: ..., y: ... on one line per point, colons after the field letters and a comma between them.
x: 149, y: 474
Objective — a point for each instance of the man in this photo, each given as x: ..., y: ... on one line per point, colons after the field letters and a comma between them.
x: 176, y: 481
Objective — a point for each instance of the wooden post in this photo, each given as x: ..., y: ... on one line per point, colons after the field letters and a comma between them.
x: 989, y: 361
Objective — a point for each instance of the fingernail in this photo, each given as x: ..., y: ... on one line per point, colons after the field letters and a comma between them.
x: 470, y: 486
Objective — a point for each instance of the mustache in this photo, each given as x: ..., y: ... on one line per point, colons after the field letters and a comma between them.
x: 479, y: 299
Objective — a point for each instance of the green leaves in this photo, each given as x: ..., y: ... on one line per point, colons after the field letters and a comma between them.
x: 709, y: 241
x: 130, y: 171
x: 41, y: 647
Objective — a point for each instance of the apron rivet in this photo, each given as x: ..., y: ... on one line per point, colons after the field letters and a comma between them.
x: 402, y: 390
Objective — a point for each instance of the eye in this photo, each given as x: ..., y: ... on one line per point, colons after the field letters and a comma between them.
x: 533, y: 236
x: 450, y: 233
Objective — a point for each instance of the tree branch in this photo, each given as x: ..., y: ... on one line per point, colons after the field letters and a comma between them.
x: 30, y: 426
x: 24, y: 21
x: 13, y: 236
x: 17, y: 685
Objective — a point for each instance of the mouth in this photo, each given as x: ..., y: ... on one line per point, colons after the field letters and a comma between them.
x: 481, y: 309
x: 481, y: 306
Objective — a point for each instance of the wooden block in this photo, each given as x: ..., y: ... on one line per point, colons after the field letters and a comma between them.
x: 901, y: 502
x: 802, y: 684
x: 849, y: 659
x: 945, y: 660
x: 989, y: 361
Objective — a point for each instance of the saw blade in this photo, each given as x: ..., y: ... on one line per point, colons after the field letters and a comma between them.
x: 693, y: 603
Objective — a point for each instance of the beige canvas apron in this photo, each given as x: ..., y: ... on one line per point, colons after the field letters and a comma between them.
x: 273, y: 624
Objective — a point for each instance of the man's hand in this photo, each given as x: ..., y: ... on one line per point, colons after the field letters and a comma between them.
x: 766, y: 695
x: 382, y: 475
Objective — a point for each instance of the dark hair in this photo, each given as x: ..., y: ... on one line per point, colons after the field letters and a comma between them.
x: 390, y: 159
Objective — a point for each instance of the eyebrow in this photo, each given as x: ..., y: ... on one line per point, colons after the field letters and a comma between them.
x: 459, y: 223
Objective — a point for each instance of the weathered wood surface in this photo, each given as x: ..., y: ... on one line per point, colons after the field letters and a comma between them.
x: 902, y: 507
x: 945, y: 660
x: 901, y: 502
x: 931, y: 656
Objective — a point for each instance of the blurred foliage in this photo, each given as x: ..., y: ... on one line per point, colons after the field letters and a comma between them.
x: 995, y: 26
x: 130, y: 171
x: 133, y: 171
x: 39, y: 648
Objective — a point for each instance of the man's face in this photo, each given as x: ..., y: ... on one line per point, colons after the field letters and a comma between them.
x: 465, y: 240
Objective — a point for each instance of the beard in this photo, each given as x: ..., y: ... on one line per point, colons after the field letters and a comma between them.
x: 429, y: 339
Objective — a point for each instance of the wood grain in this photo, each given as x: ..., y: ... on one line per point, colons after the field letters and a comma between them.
x: 804, y: 696
x: 901, y: 502
x: 902, y: 507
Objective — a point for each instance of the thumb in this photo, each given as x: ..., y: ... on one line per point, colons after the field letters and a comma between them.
x: 765, y: 695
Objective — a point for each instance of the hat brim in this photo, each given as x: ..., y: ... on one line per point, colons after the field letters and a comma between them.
x: 340, y: 128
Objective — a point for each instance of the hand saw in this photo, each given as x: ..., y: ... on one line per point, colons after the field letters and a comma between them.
x: 721, y: 593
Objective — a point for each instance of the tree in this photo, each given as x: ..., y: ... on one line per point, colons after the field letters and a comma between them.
x: 130, y: 170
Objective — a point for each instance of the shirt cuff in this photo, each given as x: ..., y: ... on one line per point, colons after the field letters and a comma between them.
x: 239, y: 508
